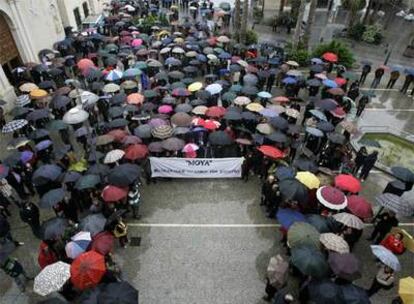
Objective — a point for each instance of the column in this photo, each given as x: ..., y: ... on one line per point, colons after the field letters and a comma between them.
x: 6, y: 90
x: 25, y: 39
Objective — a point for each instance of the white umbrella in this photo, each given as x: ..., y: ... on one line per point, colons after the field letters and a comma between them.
x: 113, y: 156
x: 165, y: 50
x: 199, y: 110
x: 223, y: 39
x: 75, y: 116
x: 292, y: 63
x: 114, y: 75
x: 349, y: 220
x: 334, y: 242
x: 51, y: 278
x: 178, y: 50
x: 111, y: 88
x: 214, y: 88
x: 242, y: 100
x: 89, y: 98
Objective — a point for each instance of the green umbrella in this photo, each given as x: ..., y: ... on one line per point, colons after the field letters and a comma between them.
x: 309, y: 261
x: 87, y: 182
x: 111, y: 47
x: 150, y: 93
x: 56, y: 125
x: 301, y: 233
x: 140, y: 65
x: 228, y: 96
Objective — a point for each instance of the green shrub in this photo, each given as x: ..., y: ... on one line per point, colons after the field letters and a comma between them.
x: 373, y: 34
x: 346, y: 58
x: 349, y: 4
x: 251, y: 37
x: 357, y: 31
x: 300, y: 54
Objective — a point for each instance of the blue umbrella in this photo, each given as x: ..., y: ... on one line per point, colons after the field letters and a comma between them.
x: 264, y: 94
x: 268, y: 113
x: 279, y: 123
x: 316, y: 61
x: 283, y: 172
x: 172, y: 61
x: 132, y: 72
x: 318, y: 114
x: 224, y: 55
x: 52, y: 197
x: 409, y: 71
x: 397, y: 67
x: 201, y: 57
x: 386, y: 257
x: 314, y: 131
x: 286, y: 217
x: 353, y: 294
x: 329, y: 83
x: 274, y: 60
x: 319, y: 222
x: 46, y: 174
x: 289, y: 80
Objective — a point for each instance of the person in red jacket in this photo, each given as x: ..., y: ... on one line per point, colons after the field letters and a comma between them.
x: 394, y: 243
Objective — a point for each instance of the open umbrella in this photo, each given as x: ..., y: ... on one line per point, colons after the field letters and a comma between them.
x: 118, y: 292
x: 79, y: 244
x: 51, y: 278
x: 309, y: 179
x: 137, y: 151
x: 271, y: 152
x: 45, y: 174
x: 277, y: 271
x: 319, y: 222
x: 310, y: 261
x: 329, y: 56
x: 336, y: 138
x: 162, y: 132
x: 347, y: 182
x: 404, y: 174
x: 353, y: 294
x: 305, y: 164
x: 406, y: 289
x: 75, y: 116
x: 325, y: 292
x: 54, y: 228
x: 301, y: 233
x: 279, y: 123
x: 87, y: 182
x: 394, y: 203
x: 345, y: 265
x: 359, y: 206
x: 94, y: 223
x: 181, y: 119
x: 349, y: 220
x: 113, y: 156
x: 87, y: 270
x: 113, y: 193
x: 14, y: 125
x: 292, y: 189
x: 334, y: 242
x: 103, y: 242
x: 173, y: 144
x: 52, y: 197
x: 386, y: 257
x: 283, y: 172
x: 331, y: 198
x: 124, y: 175
x: 286, y: 217
x: 220, y: 138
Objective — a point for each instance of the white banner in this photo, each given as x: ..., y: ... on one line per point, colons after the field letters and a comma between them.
x: 196, y: 167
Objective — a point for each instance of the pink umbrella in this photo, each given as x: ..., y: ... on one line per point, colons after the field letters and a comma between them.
x: 165, y: 109
x: 136, y: 42
x: 188, y: 148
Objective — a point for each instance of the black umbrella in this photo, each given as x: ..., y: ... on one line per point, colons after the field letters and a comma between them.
x: 279, y: 123
x: 277, y: 137
x: 93, y: 223
x: 12, y: 159
x: 353, y: 294
x: 305, y: 164
x: 292, y: 189
x: 118, y: 292
x: 70, y: 177
x: 203, y: 94
x: 220, y: 138
x: 249, y: 116
x: 325, y: 292
x: 88, y: 181
x: 47, y: 84
x: 53, y: 301
x: 118, y: 123
x: 54, y: 228
x: 46, y: 174
x: 52, y: 197
x: 233, y: 115
x: 124, y: 175
x: 316, y: 68
x: 118, y: 98
x: 314, y: 82
x: 18, y: 111
x: 250, y: 90
x: 60, y: 101
x: 319, y: 222
x: 336, y: 138
x: 326, y: 104
x: 404, y: 174
x: 325, y: 126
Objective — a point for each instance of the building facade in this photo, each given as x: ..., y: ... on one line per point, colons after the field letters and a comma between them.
x: 73, y: 12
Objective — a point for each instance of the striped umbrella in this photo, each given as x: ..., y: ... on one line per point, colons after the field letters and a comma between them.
x: 162, y: 132
x: 79, y: 244
x: 394, y: 203
x: 114, y: 75
x: 349, y: 220
x: 334, y: 242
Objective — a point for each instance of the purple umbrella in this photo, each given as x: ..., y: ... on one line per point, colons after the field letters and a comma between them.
x: 44, y: 144
x: 157, y: 122
x: 268, y: 113
x: 26, y: 156
x: 155, y: 147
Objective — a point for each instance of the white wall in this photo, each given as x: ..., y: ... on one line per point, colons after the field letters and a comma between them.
x: 66, y: 8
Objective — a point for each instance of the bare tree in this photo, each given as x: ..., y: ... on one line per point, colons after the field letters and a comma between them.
x: 296, y: 36
x: 309, y: 24
x: 244, y: 21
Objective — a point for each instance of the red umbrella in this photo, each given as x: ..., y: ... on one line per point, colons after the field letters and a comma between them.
x: 211, y: 124
x: 331, y: 197
x: 359, y: 206
x: 137, y: 151
x: 85, y: 64
x: 216, y: 111
x: 347, y: 182
x: 103, y: 242
x: 336, y: 91
x: 112, y: 193
x: 280, y: 99
x: 340, y: 81
x: 118, y: 134
x: 271, y: 151
x: 87, y: 270
x: 331, y: 57
x: 338, y: 112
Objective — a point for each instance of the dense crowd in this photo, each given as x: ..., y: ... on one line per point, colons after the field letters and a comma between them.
x: 102, y: 101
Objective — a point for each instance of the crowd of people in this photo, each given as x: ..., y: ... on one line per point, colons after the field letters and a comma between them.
x: 103, y: 100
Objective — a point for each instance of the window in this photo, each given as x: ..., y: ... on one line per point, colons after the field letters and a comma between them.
x: 85, y: 9
x: 78, y: 19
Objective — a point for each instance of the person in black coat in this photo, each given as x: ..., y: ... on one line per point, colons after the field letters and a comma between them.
x: 366, y: 69
x: 369, y: 163
x: 360, y: 159
x: 29, y: 213
x: 386, y: 221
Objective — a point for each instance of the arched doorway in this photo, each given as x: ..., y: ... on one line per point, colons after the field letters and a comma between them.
x: 9, y: 53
